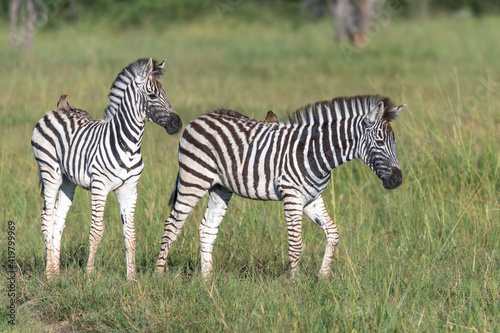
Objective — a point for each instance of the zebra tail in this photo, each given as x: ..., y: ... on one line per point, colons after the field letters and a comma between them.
x: 40, y: 183
x: 173, y: 196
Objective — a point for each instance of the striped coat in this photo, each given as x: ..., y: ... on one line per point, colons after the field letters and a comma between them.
x: 104, y: 155
x: 224, y: 152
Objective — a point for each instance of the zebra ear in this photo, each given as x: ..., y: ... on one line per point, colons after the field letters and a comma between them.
x: 158, y: 72
x: 398, y: 109
x: 376, y: 113
x: 146, y: 70
x: 395, y: 112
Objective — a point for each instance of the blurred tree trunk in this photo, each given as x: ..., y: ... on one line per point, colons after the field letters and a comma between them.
x: 341, y: 11
x: 22, y: 23
x: 15, y: 5
x: 366, y: 17
x: 423, y: 9
x: 352, y: 19
x: 30, y: 25
x: 75, y: 12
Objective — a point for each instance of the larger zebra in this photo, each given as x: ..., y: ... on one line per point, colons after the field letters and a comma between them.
x: 101, y: 155
x: 224, y: 152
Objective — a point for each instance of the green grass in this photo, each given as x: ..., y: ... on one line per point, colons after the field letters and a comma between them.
x: 424, y: 257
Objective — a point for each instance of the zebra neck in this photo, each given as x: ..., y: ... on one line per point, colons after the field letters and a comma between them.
x: 338, y: 143
x: 123, y: 113
x: 127, y: 125
x: 123, y: 97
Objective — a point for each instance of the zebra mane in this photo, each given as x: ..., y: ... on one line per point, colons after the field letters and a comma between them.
x: 345, y: 107
x: 123, y: 80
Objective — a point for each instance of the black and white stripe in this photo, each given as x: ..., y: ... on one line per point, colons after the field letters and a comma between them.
x: 73, y: 150
x: 224, y: 152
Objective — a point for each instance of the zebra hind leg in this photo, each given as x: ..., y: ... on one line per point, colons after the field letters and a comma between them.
x: 316, y: 211
x: 66, y: 194
x: 187, y: 197
x: 209, y: 226
x: 51, y: 183
x: 97, y: 227
x: 127, y: 198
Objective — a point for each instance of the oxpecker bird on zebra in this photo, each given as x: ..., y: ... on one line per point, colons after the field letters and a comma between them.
x: 104, y: 155
x: 224, y: 152
x: 63, y: 103
x: 271, y: 117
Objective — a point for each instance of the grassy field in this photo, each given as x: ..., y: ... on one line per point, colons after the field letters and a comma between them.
x: 424, y: 257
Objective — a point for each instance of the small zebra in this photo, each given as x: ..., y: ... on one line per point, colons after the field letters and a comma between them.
x: 224, y: 152
x: 100, y: 155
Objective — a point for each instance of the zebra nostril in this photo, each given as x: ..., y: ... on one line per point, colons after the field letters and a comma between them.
x: 174, y: 125
x: 396, y: 174
x: 394, y: 179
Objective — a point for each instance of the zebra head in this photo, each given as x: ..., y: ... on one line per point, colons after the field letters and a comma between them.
x: 154, y: 98
x: 378, y: 145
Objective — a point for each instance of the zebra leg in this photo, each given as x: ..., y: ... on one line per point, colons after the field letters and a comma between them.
x: 50, y: 188
x: 66, y: 194
x: 127, y: 198
x: 293, y: 214
x: 316, y: 211
x: 187, y: 197
x: 209, y: 226
x: 97, y: 227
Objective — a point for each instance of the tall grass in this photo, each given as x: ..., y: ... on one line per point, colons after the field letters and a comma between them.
x: 421, y: 257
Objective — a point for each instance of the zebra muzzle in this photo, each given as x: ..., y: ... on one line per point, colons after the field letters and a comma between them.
x: 394, y: 179
x: 172, y: 123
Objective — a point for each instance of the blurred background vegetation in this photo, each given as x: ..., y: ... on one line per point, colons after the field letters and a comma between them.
x: 168, y: 11
x: 424, y: 257
x: 165, y: 12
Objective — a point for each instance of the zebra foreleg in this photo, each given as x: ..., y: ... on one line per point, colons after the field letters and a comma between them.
x: 316, y: 211
x: 66, y: 194
x: 293, y: 214
x: 209, y: 226
x: 97, y: 227
x: 127, y: 198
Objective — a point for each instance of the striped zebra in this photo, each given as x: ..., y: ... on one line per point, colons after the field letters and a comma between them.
x: 100, y: 155
x: 224, y: 152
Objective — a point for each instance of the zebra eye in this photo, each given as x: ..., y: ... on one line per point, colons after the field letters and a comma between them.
x: 152, y: 96
x: 380, y: 143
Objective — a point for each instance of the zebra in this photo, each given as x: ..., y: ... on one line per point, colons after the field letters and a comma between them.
x: 72, y: 149
x: 225, y: 152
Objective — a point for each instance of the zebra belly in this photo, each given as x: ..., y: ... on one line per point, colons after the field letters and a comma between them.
x: 82, y: 180
x: 111, y: 178
x: 268, y: 195
x: 257, y: 185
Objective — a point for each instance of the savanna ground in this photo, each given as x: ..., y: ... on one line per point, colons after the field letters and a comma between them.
x: 423, y: 257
